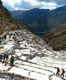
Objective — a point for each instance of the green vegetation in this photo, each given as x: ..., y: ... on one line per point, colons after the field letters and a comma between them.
x: 8, y: 23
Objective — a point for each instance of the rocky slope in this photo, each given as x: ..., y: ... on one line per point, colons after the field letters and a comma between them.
x: 18, y: 32
x: 7, y: 23
x: 57, y: 23
x: 57, y: 17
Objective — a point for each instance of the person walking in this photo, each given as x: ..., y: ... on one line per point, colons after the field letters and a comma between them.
x: 6, y: 55
x: 0, y: 57
x: 62, y: 73
x: 6, y: 59
x: 12, y: 60
x: 3, y: 58
x: 58, y: 72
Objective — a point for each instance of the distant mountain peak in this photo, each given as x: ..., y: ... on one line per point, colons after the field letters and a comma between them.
x: 35, y: 9
x: 38, y: 9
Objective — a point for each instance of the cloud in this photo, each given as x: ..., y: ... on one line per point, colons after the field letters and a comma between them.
x: 48, y: 5
x: 59, y: 2
x: 26, y: 4
x: 33, y: 2
x: 11, y: 3
x: 29, y: 4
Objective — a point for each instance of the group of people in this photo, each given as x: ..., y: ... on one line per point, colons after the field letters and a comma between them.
x: 60, y: 72
x: 4, y: 58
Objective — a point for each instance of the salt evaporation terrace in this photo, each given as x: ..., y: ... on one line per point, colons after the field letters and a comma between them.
x: 31, y: 63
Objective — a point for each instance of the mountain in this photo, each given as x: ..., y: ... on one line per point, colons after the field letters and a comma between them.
x: 36, y: 19
x: 17, y: 13
x: 7, y: 23
x: 10, y: 29
x: 57, y: 17
x: 57, y: 23
x: 53, y: 23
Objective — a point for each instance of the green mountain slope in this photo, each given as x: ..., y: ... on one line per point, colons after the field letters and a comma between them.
x: 57, y: 34
x: 7, y: 23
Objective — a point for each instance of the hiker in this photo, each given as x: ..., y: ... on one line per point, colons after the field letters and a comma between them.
x: 6, y: 59
x: 6, y: 56
x: 0, y: 57
x: 12, y: 60
x: 62, y: 73
x: 3, y: 58
x: 58, y: 72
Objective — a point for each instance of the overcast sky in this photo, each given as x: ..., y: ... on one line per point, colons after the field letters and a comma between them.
x: 29, y: 4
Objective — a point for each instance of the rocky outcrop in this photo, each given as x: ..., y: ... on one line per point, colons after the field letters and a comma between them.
x: 7, y: 23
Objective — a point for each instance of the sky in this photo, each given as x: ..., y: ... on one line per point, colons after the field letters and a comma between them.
x: 29, y: 4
